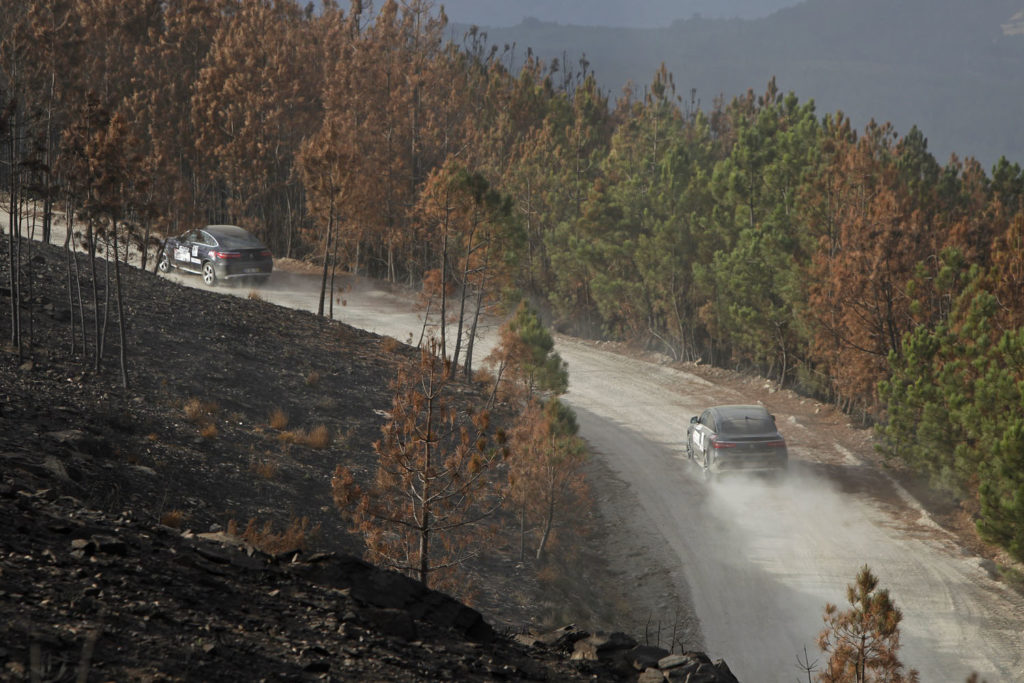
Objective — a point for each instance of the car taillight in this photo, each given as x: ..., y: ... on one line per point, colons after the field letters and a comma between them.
x: 715, y: 443
x: 226, y: 254
x: 776, y: 444
x: 266, y: 253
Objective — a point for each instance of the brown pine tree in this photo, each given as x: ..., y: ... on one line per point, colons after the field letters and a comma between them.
x: 256, y: 99
x: 547, y: 486
x: 435, y: 483
x: 862, y: 643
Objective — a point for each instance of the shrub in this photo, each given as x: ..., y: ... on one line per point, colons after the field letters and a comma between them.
x: 198, y: 410
x: 172, y: 518
x: 209, y: 431
x: 389, y: 344
x: 267, y: 469
x: 318, y: 437
x: 278, y: 419
x: 313, y: 378
x: 297, y: 536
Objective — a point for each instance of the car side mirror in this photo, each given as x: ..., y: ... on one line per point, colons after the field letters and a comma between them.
x: 693, y: 420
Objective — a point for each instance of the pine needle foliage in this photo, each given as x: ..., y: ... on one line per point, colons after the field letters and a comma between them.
x: 434, y: 484
x: 862, y: 642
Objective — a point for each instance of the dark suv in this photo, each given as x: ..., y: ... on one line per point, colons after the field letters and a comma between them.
x: 218, y: 252
x: 736, y: 437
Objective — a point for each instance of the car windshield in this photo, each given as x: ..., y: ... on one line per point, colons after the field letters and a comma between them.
x: 747, y: 425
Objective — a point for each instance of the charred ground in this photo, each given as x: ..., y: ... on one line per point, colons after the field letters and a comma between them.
x: 109, y: 497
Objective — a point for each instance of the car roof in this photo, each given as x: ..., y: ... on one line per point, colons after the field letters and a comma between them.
x: 226, y: 230
x: 738, y: 411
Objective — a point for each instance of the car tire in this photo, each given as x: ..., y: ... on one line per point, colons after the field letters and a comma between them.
x: 209, y: 274
x: 164, y: 265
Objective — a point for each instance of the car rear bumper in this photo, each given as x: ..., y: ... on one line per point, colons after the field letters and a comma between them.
x: 750, y: 462
x: 229, y: 270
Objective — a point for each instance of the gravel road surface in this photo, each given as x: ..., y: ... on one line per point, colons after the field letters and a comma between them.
x: 758, y: 558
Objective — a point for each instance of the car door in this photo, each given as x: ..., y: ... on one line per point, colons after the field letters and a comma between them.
x: 702, y: 432
x: 181, y: 251
x: 201, y: 248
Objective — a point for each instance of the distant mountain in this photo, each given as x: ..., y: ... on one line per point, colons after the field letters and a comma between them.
x: 954, y: 68
x: 636, y: 14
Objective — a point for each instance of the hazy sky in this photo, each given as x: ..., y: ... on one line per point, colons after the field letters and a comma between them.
x: 635, y: 13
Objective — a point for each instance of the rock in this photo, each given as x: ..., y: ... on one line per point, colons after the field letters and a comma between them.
x: 989, y: 567
x: 646, y: 656
x: 110, y: 545
x: 391, y: 622
x: 561, y: 639
x: 611, y: 650
x: 651, y: 676
x: 672, y: 661
x: 601, y: 645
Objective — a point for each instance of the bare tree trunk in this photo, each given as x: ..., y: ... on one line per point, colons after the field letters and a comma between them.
x: 144, y: 256
x: 71, y: 292
x: 97, y: 350
x: 122, y: 337
x: 549, y: 523
x: 476, y: 320
x: 327, y: 258
x: 13, y: 243
x: 69, y: 244
x: 106, y: 296
x: 334, y: 269
x: 444, y: 290
x: 522, y: 531
x: 458, y: 331
x: 29, y: 298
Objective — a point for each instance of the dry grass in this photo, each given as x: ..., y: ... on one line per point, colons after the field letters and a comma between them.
x: 313, y: 378
x: 197, y: 410
x: 389, y: 344
x: 297, y: 536
x: 278, y: 419
x: 172, y: 518
x: 318, y: 437
x: 266, y: 469
x: 484, y: 376
x: 209, y: 431
x: 549, y: 574
x: 254, y: 295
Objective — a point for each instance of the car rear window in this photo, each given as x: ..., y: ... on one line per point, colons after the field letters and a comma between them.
x: 239, y: 241
x: 747, y: 426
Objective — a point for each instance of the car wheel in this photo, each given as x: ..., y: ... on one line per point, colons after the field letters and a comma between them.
x: 164, y: 265
x: 209, y: 275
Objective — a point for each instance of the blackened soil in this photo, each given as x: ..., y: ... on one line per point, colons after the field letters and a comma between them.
x: 114, y: 501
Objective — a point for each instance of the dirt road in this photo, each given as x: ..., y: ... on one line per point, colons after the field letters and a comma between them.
x: 758, y: 558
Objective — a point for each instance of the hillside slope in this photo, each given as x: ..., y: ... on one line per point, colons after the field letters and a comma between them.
x: 114, y: 556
